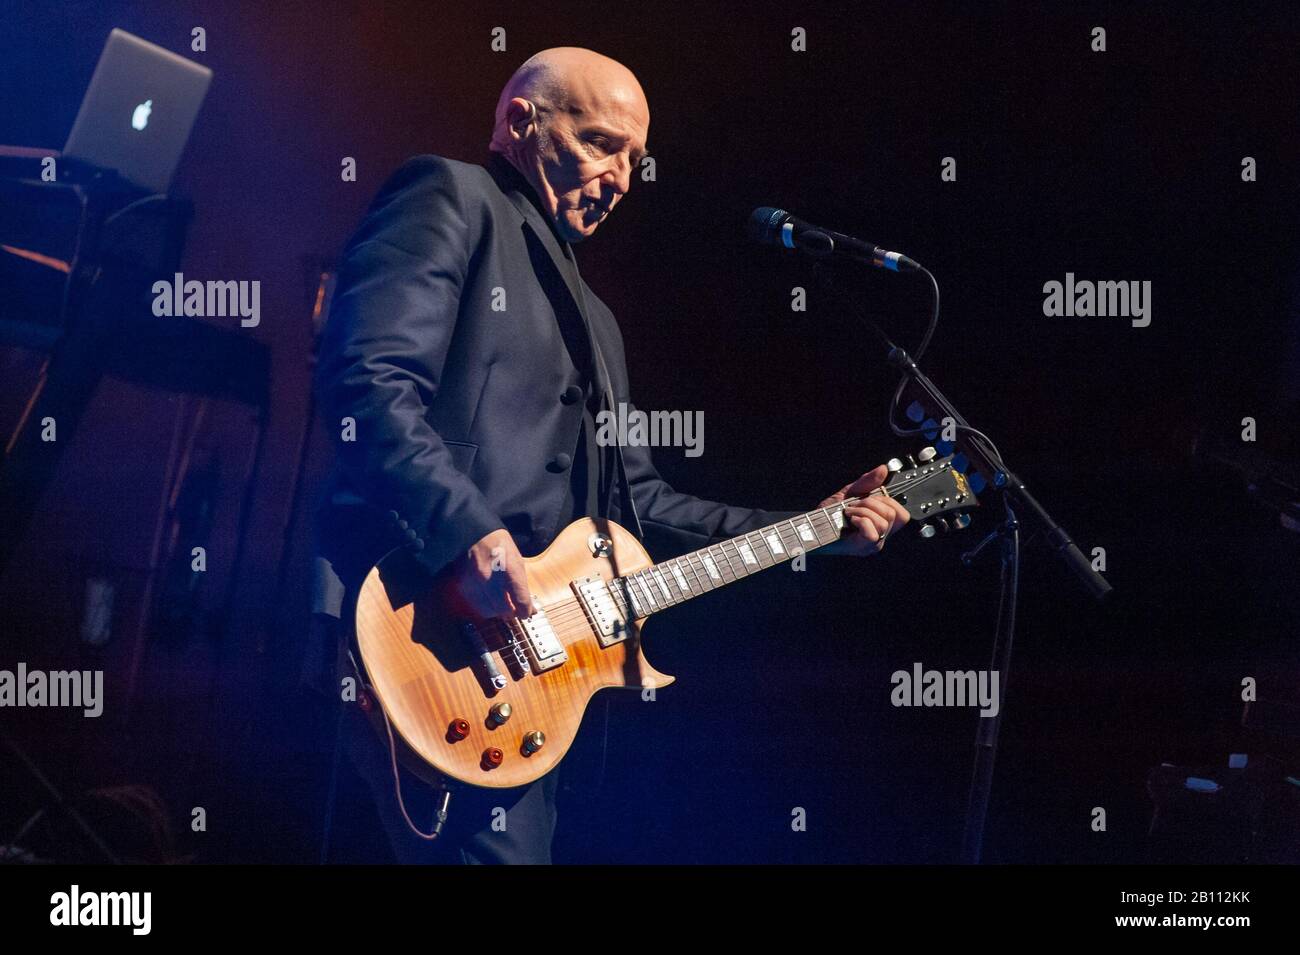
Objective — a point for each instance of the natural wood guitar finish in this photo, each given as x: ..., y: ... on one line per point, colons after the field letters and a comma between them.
x: 423, y: 671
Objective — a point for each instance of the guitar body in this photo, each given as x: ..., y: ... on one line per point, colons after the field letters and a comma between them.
x: 432, y: 681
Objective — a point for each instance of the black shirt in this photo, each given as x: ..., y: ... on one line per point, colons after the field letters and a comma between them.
x: 590, y: 472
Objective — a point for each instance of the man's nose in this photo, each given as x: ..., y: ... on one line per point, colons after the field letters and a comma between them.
x: 620, y: 176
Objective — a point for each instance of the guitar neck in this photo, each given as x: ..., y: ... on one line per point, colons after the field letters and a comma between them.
x: 675, y: 581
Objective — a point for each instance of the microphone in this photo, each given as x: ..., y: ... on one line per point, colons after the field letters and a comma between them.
x: 777, y: 227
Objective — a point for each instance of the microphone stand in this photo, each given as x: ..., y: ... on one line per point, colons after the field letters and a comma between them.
x: 1014, y: 496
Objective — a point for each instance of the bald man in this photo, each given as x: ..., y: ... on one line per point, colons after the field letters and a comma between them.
x: 462, y: 369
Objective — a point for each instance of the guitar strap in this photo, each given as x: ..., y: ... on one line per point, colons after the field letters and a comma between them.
x: 627, y: 506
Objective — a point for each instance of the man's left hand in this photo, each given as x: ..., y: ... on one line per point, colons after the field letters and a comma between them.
x: 872, y: 519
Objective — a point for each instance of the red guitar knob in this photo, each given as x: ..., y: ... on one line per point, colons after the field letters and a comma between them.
x: 492, y: 757
x: 458, y: 729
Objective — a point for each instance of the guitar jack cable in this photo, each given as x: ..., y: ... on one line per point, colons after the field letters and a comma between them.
x: 441, y: 788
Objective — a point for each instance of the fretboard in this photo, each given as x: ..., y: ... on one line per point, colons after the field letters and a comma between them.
x: 671, y: 582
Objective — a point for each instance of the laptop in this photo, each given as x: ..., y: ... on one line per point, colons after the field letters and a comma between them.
x: 138, y: 111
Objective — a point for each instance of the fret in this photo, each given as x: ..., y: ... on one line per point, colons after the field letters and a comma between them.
x: 643, y: 590
x: 634, y: 597
x: 837, y: 519
x: 677, y: 575
x: 760, y: 548
x: 824, y: 527
x: 682, y: 570
x: 735, y: 566
x: 790, y: 538
x: 711, y: 569
x: 773, y: 539
x: 693, y: 564
x: 663, y: 586
x: 626, y: 600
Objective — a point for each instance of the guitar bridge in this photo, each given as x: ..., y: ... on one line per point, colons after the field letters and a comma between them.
x: 603, y: 611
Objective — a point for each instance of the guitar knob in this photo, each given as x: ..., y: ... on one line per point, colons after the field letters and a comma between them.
x: 458, y: 729
x: 961, y: 521
x: 928, y: 530
x: 533, y: 742
x: 499, y: 714
x: 894, y: 465
x: 492, y: 757
x: 925, y: 455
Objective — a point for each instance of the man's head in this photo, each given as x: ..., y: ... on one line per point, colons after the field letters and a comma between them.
x: 574, y: 123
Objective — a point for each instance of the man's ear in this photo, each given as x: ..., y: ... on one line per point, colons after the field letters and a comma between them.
x: 523, y: 113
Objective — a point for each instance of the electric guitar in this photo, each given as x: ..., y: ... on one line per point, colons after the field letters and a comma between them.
x: 497, y: 702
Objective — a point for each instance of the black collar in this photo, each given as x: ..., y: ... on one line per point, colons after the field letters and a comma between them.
x: 520, y: 192
x: 512, y: 182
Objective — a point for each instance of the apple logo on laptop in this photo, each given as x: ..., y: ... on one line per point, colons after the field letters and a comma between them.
x: 140, y: 118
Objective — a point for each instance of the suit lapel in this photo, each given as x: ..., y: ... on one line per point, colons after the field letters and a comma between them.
x: 517, y: 190
x: 521, y: 195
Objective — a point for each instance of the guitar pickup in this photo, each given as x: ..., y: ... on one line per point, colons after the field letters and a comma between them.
x: 603, y: 611
x: 540, y: 641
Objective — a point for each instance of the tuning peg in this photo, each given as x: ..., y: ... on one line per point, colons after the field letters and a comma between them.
x: 928, y: 530
x: 943, y: 525
x: 925, y: 455
x: 961, y: 522
x: 894, y: 465
x: 911, y: 461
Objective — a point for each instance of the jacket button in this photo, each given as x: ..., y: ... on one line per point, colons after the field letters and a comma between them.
x: 559, y: 463
x: 572, y: 395
x: 392, y: 516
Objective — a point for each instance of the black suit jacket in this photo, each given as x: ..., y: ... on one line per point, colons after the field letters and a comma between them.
x: 450, y: 377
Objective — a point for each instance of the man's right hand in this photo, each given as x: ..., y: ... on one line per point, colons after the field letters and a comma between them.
x: 494, y: 580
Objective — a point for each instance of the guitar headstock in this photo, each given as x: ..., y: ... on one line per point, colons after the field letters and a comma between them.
x: 934, y: 491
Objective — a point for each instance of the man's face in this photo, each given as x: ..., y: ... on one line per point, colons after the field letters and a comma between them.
x: 584, y: 158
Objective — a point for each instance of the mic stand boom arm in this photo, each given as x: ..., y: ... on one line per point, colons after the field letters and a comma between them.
x: 1002, y: 477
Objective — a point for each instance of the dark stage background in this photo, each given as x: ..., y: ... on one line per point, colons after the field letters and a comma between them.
x: 1118, y: 165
